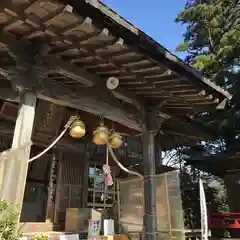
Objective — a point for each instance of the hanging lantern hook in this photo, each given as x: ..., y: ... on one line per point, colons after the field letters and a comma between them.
x: 101, y: 119
x: 70, y: 121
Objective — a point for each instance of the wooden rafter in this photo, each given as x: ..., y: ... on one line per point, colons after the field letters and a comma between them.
x: 82, y: 50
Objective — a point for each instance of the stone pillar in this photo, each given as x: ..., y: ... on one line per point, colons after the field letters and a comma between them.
x: 15, y: 172
x: 150, y: 219
x: 26, y: 77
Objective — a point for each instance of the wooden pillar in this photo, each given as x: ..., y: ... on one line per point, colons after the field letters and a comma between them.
x: 85, y: 182
x: 150, y: 219
x: 232, y: 182
x: 158, y: 155
x: 51, y: 189
x: 58, y: 189
x: 17, y: 166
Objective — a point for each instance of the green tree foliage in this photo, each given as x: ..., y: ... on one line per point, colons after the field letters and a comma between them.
x: 8, y: 224
x: 40, y: 236
x: 212, y: 38
x: 212, y: 44
x: 8, y: 221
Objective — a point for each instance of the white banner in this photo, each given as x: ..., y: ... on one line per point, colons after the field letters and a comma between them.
x: 203, y: 208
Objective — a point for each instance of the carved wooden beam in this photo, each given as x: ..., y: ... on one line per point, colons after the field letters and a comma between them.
x: 49, y: 118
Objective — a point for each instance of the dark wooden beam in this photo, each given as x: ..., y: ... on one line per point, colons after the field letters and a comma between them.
x: 96, y: 85
x: 49, y: 118
x: 91, y: 105
x: 59, y: 94
x: 12, y: 45
x: 7, y: 93
x: 7, y: 128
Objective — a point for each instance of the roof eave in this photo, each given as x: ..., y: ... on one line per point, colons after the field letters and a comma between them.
x: 145, y: 43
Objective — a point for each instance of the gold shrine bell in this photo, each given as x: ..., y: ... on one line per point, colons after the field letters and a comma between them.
x: 77, y: 129
x: 115, y: 140
x: 100, y: 135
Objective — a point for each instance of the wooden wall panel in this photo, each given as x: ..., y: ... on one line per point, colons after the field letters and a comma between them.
x: 73, y: 167
x: 71, y: 191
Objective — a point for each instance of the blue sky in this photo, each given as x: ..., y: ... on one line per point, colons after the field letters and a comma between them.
x: 154, y: 17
